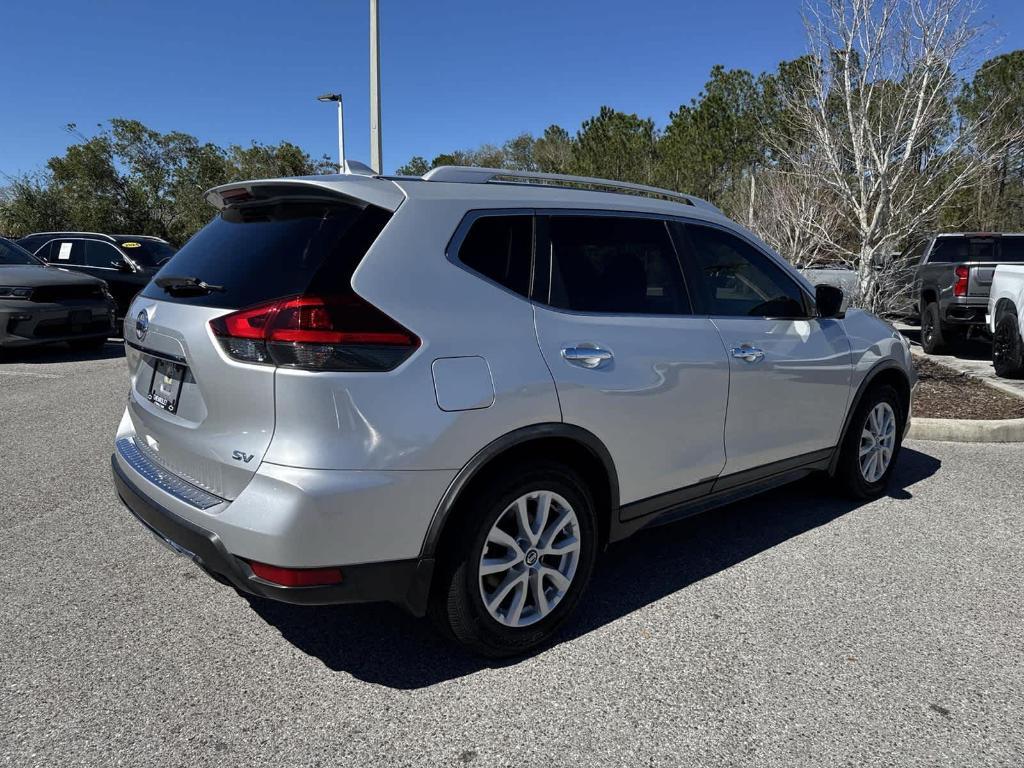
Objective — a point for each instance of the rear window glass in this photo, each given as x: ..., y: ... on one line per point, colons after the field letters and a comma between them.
x: 264, y: 251
x: 949, y: 250
x: 1012, y: 249
x: 500, y: 247
x: 147, y: 253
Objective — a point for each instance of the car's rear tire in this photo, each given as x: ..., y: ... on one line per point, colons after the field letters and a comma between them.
x: 934, y: 338
x: 1008, y: 348
x: 518, y: 561
x: 872, y: 443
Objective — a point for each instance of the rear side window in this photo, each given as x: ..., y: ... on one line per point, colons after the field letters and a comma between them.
x: 737, y: 280
x: 615, y: 265
x: 500, y: 248
x: 67, y: 252
x: 262, y: 251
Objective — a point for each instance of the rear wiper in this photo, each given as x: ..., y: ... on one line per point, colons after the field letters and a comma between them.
x: 175, y: 284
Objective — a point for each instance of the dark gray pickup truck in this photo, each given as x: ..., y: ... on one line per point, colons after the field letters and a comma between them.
x: 952, y: 283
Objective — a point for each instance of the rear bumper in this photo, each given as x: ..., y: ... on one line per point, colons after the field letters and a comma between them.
x: 405, y: 582
x: 965, y: 313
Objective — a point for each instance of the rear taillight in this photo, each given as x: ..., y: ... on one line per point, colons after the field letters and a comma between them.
x: 960, y: 286
x: 336, y: 333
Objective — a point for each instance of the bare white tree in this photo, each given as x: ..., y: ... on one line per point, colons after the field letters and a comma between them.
x: 880, y: 135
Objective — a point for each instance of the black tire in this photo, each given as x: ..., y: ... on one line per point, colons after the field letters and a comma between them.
x: 457, y: 606
x: 1008, y: 348
x: 934, y: 339
x: 848, y: 470
x: 88, y: 345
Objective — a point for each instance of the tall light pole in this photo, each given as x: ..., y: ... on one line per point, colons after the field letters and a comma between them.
x: 376, y: 151
x: 341, y: 127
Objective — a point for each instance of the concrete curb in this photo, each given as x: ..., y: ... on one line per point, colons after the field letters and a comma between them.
x: 968, y: 430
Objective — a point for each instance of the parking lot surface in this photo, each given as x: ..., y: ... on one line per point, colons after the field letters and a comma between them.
x: 797, y: 629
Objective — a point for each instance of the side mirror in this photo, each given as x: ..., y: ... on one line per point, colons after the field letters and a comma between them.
x: 829, y: 300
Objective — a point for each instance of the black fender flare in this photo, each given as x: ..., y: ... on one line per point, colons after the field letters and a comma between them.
x: 888, y: 364
x: 497, y: 447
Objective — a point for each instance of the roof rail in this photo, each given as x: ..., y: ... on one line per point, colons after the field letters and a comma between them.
x: 471, y: 175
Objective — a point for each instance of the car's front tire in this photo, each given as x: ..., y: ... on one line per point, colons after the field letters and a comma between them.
x: 872, y: 443
x: 518, y: 561
x: 1008, y: 348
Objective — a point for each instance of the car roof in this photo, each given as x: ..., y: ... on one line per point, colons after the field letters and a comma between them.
x: 493, y: 188
x: 83, y: 233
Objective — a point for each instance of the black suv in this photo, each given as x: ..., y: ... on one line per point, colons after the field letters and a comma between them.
x: 125, y: 262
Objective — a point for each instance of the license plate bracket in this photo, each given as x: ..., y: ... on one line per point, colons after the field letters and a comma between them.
x: 166, y: 383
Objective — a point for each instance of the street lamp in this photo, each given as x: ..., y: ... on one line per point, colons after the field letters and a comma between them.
x: 327, y: 97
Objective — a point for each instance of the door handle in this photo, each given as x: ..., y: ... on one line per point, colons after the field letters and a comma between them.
x: 747, y: 353
x: 586, y: 356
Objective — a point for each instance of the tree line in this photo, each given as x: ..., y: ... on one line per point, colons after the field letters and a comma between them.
x: 885, y: 131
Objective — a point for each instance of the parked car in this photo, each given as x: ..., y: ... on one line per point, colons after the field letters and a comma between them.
x: 839, y: 275
x: 952, y: 283
x: 40, y: 304
x: 1005, y: 309
x: 452, y: 392
x: 125, y: 262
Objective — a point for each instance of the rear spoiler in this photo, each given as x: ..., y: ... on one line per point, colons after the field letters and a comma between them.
x: 362, y: 190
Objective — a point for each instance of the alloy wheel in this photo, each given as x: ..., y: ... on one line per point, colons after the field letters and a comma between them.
x: 529, y: 558
x: 877, y: 442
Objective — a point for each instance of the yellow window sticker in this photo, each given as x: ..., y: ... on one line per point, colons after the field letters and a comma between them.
x: 131, y: 245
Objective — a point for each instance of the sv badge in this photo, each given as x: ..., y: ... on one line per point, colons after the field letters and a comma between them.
x: 241, y: 456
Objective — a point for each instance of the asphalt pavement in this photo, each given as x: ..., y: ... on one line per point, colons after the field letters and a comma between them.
x: 798, y: 629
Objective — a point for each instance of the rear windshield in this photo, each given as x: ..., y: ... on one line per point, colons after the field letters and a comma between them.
x: 263, y: 251
x: 147, y: 253
x: 14, y: 255
x: 949, y: 250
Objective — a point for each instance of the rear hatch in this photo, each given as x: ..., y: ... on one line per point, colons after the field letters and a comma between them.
x: 202, y: 399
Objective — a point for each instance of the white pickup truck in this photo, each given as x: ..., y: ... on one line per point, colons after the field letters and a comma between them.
x: 1005, y: 311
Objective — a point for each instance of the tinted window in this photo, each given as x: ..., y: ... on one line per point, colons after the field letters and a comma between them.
x: 147, y: 253
x: 499, y: 247
x: 67, y: 252
x: 737, y: 280
x: 15, y: 255
x: 262, y: 251
x: 615, y: 265
x: 99, y: 254
x: 1012, y: 248
x: 949, y: 250
x: 43, y: 252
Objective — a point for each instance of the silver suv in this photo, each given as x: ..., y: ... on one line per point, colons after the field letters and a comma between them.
x: 453, y: 392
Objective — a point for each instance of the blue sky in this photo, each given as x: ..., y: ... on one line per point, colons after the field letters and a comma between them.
x: 456, y: 73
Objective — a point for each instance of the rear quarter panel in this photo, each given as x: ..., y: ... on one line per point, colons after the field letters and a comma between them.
x: 393, y: 420
x: 1007, y: 289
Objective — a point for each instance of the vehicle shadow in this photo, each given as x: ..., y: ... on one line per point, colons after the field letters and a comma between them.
x: 384, y: 645
x: 977, y: 348
x: 62, y: 353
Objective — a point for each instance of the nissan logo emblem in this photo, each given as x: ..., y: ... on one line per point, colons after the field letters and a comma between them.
x: 141, y: 325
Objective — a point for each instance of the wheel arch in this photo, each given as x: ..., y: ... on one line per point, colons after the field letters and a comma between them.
x: 579, y: 448
x: 1004, y: 306
x: 884, y: 372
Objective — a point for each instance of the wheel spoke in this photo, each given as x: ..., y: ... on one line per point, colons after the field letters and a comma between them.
x: 492, y: 565
x: 515, y: 610
x: 564, y: 547
x: 502, y: 539
x: 557, y: 578
x: 523, y: 519
x: 541, y: 521
x: 537, y: 590
x: 554, y: 529
x: 498, y: 596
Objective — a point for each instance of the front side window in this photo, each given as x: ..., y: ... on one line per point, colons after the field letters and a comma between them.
x: 615, y: 265
x: 737, y: 280
x: 103, y: 255
x: 14, y: 255
x: 500, y: 248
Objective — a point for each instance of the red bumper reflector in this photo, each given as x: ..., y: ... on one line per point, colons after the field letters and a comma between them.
x: 296, y: 577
